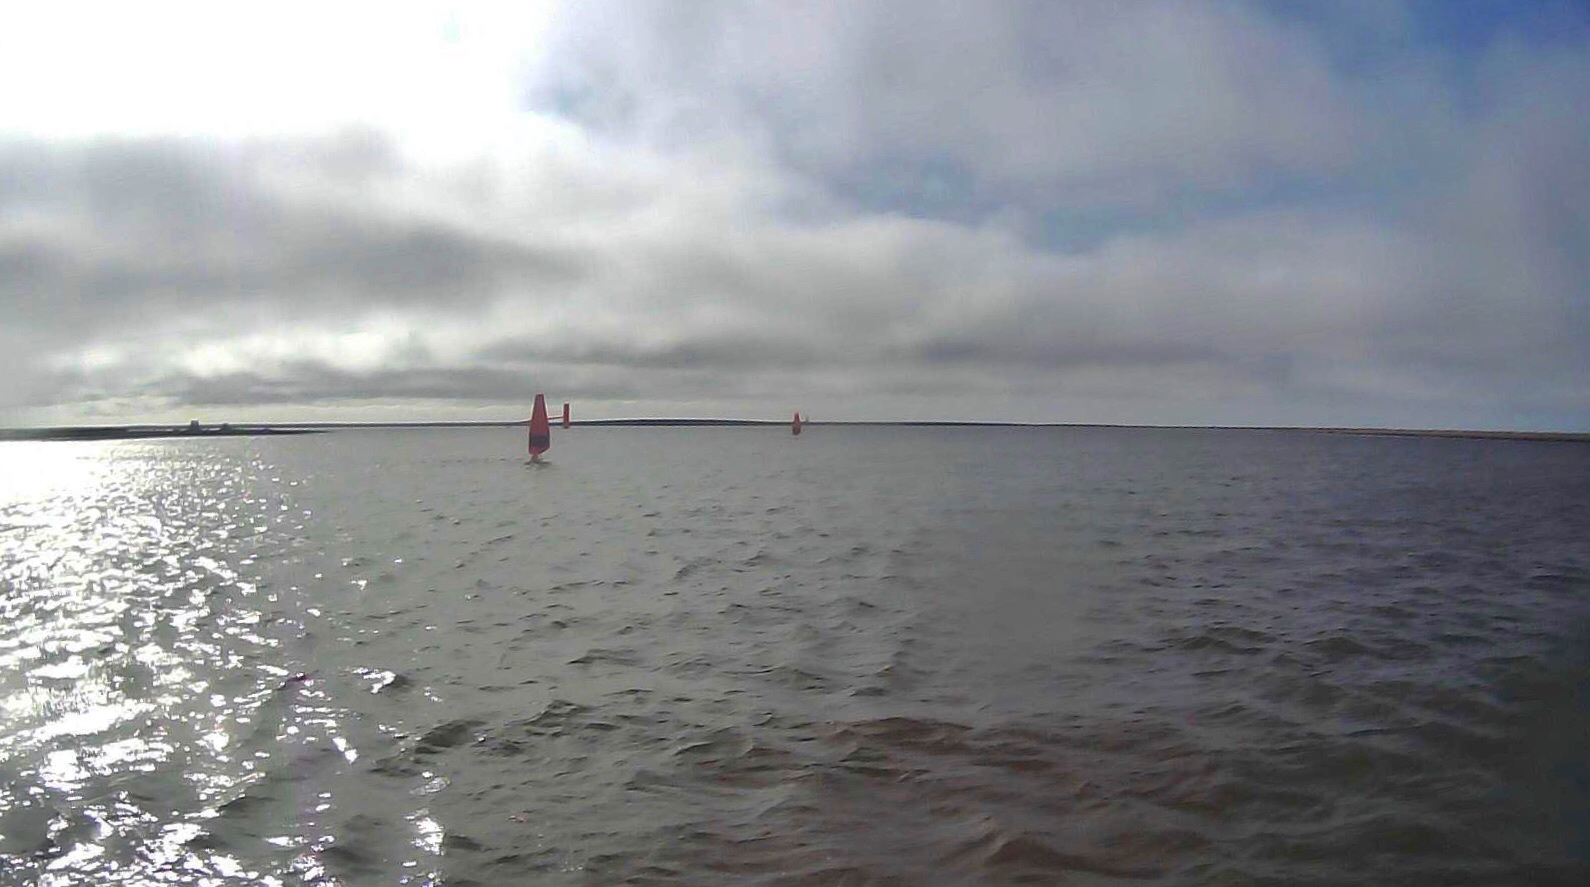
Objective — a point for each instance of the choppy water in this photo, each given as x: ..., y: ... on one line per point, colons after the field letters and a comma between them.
x: 729, y: 656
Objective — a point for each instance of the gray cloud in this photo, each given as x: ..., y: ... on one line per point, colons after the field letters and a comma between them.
x: 117, y: 233
x: 310, y: 382
x: 707, y: 350
x: 1058, y: 355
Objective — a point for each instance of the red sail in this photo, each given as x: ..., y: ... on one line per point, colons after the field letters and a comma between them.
x: 540, y: 435
x: 795, y: 427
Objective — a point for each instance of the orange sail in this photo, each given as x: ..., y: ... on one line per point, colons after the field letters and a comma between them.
x: 795, y: 427
x: 540, y: 435
x: 565, y: 414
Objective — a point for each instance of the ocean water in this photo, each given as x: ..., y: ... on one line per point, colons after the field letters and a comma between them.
x: 867, y: 655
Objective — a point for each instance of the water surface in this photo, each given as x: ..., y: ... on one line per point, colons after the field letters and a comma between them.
x: 730, y: 656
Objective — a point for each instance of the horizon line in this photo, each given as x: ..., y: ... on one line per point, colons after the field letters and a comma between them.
x: 103, y: 432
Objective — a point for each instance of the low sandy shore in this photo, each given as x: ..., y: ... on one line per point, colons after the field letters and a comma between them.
x: 137, y: 432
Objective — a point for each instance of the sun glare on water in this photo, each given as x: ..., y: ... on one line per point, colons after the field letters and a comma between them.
x: 32, y: 469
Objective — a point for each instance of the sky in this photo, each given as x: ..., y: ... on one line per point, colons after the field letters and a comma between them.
x: 1190, y: 212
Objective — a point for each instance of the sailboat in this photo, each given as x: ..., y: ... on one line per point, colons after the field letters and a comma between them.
x: 540, y: 431
x: 795, y: 426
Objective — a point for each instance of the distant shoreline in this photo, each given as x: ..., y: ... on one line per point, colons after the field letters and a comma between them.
x: 139, y: 432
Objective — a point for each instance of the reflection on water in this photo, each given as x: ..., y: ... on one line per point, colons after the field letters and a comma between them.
x: 148, y: 691
x: 721, y: 656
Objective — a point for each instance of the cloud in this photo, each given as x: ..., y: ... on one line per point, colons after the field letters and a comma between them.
x: 129, y: 228
x: 723, y: 208
x: 1093, y: 101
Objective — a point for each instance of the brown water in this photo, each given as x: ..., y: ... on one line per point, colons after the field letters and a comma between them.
x: 860, y: 656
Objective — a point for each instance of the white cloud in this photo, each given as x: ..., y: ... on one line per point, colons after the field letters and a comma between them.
x: 443, y: 74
